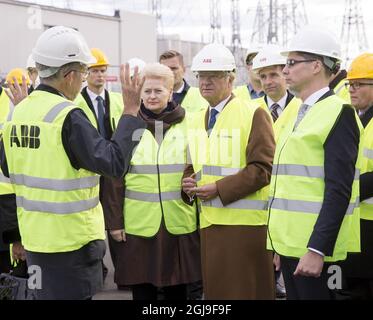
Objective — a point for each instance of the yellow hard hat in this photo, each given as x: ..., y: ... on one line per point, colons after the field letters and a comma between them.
x: 100, y: 57
x: 17, y: 73
x: 361, y: 67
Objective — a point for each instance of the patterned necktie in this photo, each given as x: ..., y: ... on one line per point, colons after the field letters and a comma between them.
x: 301, y: 113
x: 274, y: 113
x: 100, y: 116
x: 212, y: 118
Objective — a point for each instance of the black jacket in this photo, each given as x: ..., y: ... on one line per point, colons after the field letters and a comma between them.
x: 85, y: 147
x: 108, y: 129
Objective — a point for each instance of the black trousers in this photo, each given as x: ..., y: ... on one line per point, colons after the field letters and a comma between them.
x: 5, y: 264
x: 73, y: 275
x: 147, y: 291
x: 305, y: 288
x: 359, y: 288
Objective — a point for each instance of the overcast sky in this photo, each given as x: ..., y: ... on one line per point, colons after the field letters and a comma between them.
x: 191, y: 18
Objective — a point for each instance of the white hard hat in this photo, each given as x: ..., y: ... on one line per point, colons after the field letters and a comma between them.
x: 136, y: 62
x: 254, y: 49
x: 30, y: 62
x: 214, y: 57
x: 270, y: 55
x: 316, y: 41
x: 60, y: 45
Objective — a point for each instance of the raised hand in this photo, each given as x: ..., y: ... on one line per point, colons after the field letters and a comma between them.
x: 131, y: 89
x: 18, y: 93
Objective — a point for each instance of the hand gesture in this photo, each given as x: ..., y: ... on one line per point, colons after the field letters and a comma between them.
x: 131, y: 89
x: 18, y: 93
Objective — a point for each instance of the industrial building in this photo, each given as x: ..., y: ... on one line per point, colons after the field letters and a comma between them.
x: 121, y: 37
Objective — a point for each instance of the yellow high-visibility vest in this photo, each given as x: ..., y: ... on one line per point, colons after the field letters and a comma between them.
x: 221, y: 154
x: 193, y: 101
x: 297, y: 185
x: 58, y: 206
x: 153, y: 186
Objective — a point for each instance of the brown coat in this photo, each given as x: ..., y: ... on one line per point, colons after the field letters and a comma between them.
x: 235, y: 262
x: 162, y: 260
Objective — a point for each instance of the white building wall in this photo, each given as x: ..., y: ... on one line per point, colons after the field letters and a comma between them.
x: 121, y: 38
x: 139, y: 36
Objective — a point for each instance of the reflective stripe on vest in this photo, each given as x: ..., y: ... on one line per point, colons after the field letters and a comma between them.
x: 368, y: 201
x: 297, y: 190
x: 57, y: 207
x: 222, y: 154
x: 239, y: 204
x: 4, y: 179
x: 53, y: 113
x: 55, y: 184
x: 152, y: 197
x: 303, y: 171
x: 368, y: 153
x: 153, y: 186
x: 305, y: 206
x: 153, y: 169
x: 10, y: 114
x: 219, y: 171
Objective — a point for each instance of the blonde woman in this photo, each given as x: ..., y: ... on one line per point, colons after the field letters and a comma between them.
x: 159, y: 244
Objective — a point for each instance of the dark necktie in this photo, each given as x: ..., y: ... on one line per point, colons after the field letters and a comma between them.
x: 100, y: 116
x: 274, y: 112
x: 212, y: 120
x: 178, y: 97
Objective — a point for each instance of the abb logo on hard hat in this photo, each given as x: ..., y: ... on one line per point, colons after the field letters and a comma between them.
x: 263, y: 59
x: 207, y: 61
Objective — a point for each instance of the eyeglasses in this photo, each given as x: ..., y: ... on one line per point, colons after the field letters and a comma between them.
x: 357, y: 85
x: 293, y: 62
x: 83, y: 72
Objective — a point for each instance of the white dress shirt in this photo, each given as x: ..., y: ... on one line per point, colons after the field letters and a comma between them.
x: 281, y: 103
x: 314, y: 97
x: 93, y: 97
x: 219, y: 108
x: 181, y: 88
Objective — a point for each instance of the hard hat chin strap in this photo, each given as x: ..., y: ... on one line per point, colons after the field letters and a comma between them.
x: 332, y: 64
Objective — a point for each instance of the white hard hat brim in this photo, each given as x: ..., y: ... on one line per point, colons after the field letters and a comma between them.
x: 310, y: 51
x: 55, y: 62
x: 212, y: 69
x: 257, y: 69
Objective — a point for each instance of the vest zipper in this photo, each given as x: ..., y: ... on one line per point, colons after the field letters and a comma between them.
x: 159, y: 181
